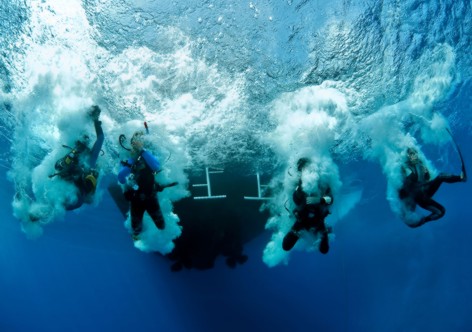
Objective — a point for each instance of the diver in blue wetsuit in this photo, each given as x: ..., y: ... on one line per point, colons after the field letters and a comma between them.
x: 78, y: 166
x: 310, y: 213
x: 141, y: 189
x: 418, y: 187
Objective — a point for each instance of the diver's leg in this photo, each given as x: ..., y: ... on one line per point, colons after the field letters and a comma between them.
x: 154, y: 210
x: 292, y: 236
x: 324, y: 244
x: 323, y: 231
x: 436, y: 209
x: 433, y: 186
x: 136, y: 212
x: 97, y: 146
x: 290, y: 240
x: 78, y: 203
x: 450, y: 178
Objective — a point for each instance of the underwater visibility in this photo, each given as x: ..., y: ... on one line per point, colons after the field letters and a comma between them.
x: 217, y: 166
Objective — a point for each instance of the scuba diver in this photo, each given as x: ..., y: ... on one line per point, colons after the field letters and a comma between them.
x: 418, y: 188
x: 310, y: 212
x: 78, y: 166
x: 141, y: 188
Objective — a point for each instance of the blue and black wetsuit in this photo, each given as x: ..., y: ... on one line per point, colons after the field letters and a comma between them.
x: 79, y: 167
x: 142, y: 194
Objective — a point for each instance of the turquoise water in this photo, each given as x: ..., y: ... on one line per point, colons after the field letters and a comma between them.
x: 248, y: 88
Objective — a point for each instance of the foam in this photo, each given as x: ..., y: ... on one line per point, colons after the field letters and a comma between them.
x: 308, y: 121
x: 198, y: 115
x: 192, y: 100
x: 57, y: 79
x: 391, y: 136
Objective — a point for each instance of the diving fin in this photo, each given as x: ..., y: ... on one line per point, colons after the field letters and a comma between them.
x: 463, y: 170
x: 116, y: 194
x: 463, y: 173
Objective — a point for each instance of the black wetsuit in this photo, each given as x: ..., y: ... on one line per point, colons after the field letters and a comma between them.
x: 144, y: 196
x: 308, y: 216
x: 419, y: 189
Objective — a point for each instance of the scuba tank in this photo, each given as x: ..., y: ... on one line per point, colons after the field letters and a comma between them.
x: 90, y: 178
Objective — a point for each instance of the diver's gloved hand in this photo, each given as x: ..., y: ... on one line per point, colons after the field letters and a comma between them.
x: 94, y: 112
x: 312, y: 200
x: 326, y: 200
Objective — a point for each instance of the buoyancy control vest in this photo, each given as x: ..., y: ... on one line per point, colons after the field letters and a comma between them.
x: 143, y: 176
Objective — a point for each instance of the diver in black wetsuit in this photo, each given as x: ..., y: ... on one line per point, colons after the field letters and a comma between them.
x: 78, y: 166
x: 310, y: 213
x: 419, y: 189
x: 138, y: 173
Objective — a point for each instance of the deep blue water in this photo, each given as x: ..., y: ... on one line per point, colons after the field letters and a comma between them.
x: 215, y: 78
x: 84, y: 274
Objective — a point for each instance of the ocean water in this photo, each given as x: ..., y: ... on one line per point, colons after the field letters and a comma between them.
x: 246, y: 88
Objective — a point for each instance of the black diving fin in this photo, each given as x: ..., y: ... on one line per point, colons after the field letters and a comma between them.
x: 464, y: 173
x: 116, y: 193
